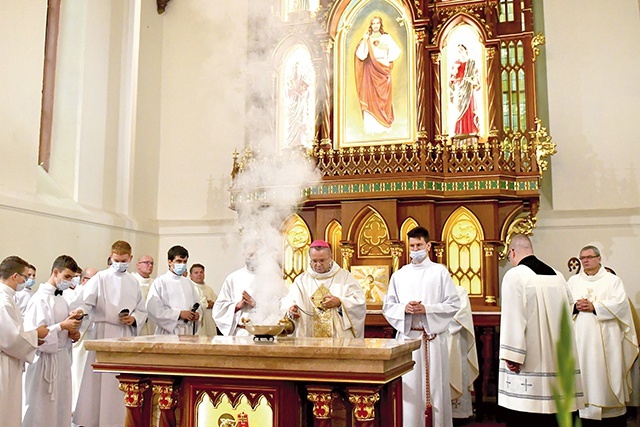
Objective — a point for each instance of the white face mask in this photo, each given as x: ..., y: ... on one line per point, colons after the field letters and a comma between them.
x: 418, y: 256
x: 76, y: 281
x: 20, y: 286
x: 120, y: 267
x: 64, y: 284
x: 179, y: 269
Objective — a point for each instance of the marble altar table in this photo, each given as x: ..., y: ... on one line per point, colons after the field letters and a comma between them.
x: 239, y: 382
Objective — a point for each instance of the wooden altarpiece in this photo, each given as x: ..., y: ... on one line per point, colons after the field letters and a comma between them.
x: 462, y: 154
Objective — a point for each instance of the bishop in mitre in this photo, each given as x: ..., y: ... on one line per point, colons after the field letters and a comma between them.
x: 326, y: 301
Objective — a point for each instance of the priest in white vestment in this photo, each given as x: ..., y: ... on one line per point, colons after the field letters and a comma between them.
x: 207, y: 297
x: 114, y: 303
x: 326, y: 300
x: 533, y: 298
x: 16, y: 344
x: 463, y: 357
x: 144, y: 268
x: 173, y: 303
x: 23, y: 296
x: 235, y: 300
x: 48, y: 377
x: 421, y: 302
x: 605, y: 337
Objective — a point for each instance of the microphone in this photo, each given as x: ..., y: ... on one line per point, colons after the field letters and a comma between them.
x: 193, y: 310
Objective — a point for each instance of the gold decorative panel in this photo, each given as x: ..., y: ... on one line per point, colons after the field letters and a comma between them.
x: 296, y: 248
x: 463, y: 237
x: 333, y: 235
x: 233, y: 410
x: 374, y: 280
x: 373, y: 238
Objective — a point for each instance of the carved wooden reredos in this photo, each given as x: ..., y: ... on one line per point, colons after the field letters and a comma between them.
x: 460, y: 151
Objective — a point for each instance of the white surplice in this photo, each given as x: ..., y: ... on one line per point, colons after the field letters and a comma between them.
x: 149, y: 327
x: 223, y: 312
x: 529, y: 330
x: 347, y: 320
x: 16, y: 347
x: 22, y: 299
x: 206, y: 325
x: 607, y: 343
x: 463, y: 357
x: 48, y: 378
x: 431, y: 284
x: 104, y: 296
x: 169, y: 295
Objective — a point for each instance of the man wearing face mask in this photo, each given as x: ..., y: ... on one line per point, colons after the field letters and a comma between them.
x: 420, y: 303
x: 23, y: 296
x: 71, y: 294
x: 16, y: 345
x: 48, y: 390
x: 172, y: 298
x: 235, y: 301
x: 114, y: 303
x: 327, y: 301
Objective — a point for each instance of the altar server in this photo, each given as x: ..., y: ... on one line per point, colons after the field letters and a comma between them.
x: 606, y: 340
x: 420, y: 303
x: 114, y: 303
x: 207, y: 296
x: 48, y: 378
x: 16, y: 344
x: 23, y: 296
x: 144, y: 268
x: 327, y: 301
x: 533, y: 298
x: 173, y: 302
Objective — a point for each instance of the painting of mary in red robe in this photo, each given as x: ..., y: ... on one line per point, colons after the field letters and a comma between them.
x: 374, y: 58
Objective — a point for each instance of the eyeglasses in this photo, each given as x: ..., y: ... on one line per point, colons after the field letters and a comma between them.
x: 588, y: 257
x: 146, y: 262
x: 25, y: 278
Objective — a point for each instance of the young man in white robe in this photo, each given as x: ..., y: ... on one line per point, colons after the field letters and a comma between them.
x: 327, y: 301
x: 114, y: 303
x: 172, y: 299
x: 207, y: 297
x: 235, y: 300
x: 463, y: 357
x: 421, y: 302
x: 22, y: 297
x: 606, y: 340
x: 533, y: 298
x: 48, y: 378
x: 16, y: 344
x: 144, y: 268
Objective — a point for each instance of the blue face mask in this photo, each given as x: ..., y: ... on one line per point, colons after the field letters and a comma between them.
x: 64, y: 284
x: 29, y: 283
x: 120, y: 267
x: 179, y: 269
x: 418, y: 256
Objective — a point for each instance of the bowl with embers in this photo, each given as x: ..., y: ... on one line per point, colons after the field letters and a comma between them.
x: 268, y: 332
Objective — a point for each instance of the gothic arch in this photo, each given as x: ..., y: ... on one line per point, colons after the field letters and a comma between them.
x: 295, y: 247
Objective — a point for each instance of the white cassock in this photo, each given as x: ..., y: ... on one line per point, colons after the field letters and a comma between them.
x: 70, y: 295
x: 100, y: 401
x: 16, y: 347
x: 431, y: 284
x: 48, y: 378
x: 22, y: 299
x: 345, y: 321
x: 206, y: 325
x: 223, y: 312
x: 532, y: 306
x: 149, y: 327
x: 169, y: 295
x: 607, y: 344
x: 463, y: 357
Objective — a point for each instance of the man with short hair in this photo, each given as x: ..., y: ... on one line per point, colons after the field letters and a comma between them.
x: 327, y: 301
x: 534, y: 296
x: 420, y: 303
x: 48, y: 378
x: 114, y: 303
x: 16, y: 344
x: 22, y: 297
x: 172, y: 298
x: 207, y: 298
x: 143, y: 276
x: 606, y: 341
